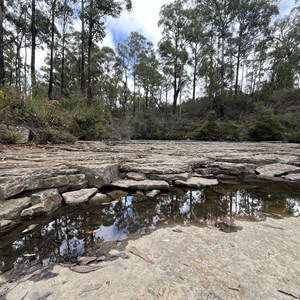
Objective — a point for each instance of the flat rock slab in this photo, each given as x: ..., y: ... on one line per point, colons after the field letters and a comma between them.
x: 99, y: 175
x: 276, y: 170
x: 29, y: 178
x: 292, y: 177
x: 170, y: 177
x: 6, y: 225
x: 42, y: 203
x: 11, y: 209
x: 80, y: 196
x: 136, y: 176
x: 186, y: 263
x: 153, y: 193
x: 141, y: 185
x: 196, y: 182
x: 99, y: 199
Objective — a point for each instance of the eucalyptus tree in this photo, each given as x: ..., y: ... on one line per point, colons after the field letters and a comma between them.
x: 66, y: 19
x: 137, y: 44
x: 94, y: 16
x: 108, y: 83
x: 2, y: 73
x: 286, y: 53
x: 39, y: 30
x: 218, y: 16
x: 16, y: 33
x: 148, y: 75
x: 33, y: 31
x: 253, y: 19
x: 172, y: 47
x: 53, y: 10
x: 197, y: 38
x: 123, y: 68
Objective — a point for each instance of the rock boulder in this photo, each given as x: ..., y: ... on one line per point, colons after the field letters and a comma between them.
x: 80, y: 196
x: 196, y: 182
x: 276, y: 170
x: 42, y: 203
x: 11, y: 209
x: 141, y: 185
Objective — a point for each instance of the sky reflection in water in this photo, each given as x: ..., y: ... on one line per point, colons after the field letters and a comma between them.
x: 88, y: 230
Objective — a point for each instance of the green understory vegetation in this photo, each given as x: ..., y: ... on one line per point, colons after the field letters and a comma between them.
x: 245, y: 118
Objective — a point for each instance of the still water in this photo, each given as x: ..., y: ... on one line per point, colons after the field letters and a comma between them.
x: 73, y: 231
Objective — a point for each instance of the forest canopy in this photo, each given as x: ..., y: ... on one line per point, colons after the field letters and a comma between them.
x: 223, y: 70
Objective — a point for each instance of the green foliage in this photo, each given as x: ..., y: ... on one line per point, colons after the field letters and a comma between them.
x: 88, y: 119
x: 266, y: 127
x: 214, y: 129
x: 10, y: 137
x: 291, y: 123
x: 2, y: 95
x: 294, y: 137
x: 58, y: 137
x: 231, y: 132
x: 209, y: 131
x: 146, y: 127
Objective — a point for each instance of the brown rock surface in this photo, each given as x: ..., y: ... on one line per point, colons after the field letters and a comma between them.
x: 80, y: 196
x: 188, y: 263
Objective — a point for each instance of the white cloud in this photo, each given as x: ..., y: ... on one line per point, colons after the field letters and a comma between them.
x: 285, y: 6
x: 143, y: 19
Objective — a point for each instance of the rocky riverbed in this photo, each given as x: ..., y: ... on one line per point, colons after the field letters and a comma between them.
x: 188, y: 263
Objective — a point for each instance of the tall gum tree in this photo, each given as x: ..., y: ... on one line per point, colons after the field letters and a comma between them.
x: 253, y: 17
x: 94, y: 16
x: 173, y: 45
x: 1, y: 43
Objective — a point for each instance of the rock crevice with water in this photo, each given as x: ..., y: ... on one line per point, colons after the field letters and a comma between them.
x: 36, y: 180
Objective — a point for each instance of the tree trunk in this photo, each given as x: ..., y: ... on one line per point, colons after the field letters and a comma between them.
x: 236, y: 86
x: 62, y: 71
x: 134, y: 97
x: 33, y: 45
x: 2, y: 74
x: 50, y: 89
x: 147, y: 98
x: 195, y: 74
x: 82, y: 75
x: 175, y: 98
x: 25, y: 58
x: 238, y: 63
x: 90, y: 40
x: 18, y: 64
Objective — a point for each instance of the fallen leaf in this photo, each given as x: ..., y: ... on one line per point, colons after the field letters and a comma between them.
x: 83, y: 269
x: 92, y: 287
x: 136, y: 252
x: 68, y: 265
x: 84, y: 260
x: 30, y: 228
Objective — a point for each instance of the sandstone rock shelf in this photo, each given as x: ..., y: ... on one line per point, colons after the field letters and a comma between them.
x: 134, y: 165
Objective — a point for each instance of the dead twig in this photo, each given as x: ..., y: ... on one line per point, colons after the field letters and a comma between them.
x: 288, y: 293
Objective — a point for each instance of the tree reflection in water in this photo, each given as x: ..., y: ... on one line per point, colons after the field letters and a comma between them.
x: 89, y: 230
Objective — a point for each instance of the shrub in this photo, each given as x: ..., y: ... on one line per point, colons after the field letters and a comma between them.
x: 10, y: 137
x: 231, y: 132
x: 57, y: 137
x: 267, y: 126
x: 294, y: 137
x: 209, y: 131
